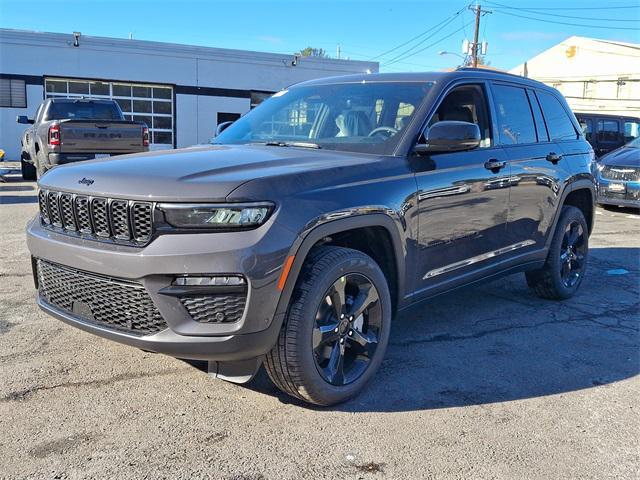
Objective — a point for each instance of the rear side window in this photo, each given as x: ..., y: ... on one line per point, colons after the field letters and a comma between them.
x: 608, y: 131
x: 515, y: 121
x: 559, y: 123
x: 83, y: 110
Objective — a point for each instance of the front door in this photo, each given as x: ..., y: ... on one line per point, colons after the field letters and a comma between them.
x: 462, y: 200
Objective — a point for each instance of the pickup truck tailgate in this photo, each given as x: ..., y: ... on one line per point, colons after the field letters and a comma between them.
x: 101, y: 136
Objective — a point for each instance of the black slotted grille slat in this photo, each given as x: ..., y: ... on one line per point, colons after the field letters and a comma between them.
x: 99, y: 218
x: 54, y: 210
x: 120, y: 219
x: 142, y: 221
x: 66, y: 212
x: 82, y: 214
x: 99, y: 212
x: 44, y: 211
x: 112, y: 303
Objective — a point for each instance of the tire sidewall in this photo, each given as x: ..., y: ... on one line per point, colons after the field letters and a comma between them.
x: 315, y: 385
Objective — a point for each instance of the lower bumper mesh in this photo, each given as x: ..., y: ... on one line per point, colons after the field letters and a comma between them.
x: 226, y: 308
x: 112, y: 303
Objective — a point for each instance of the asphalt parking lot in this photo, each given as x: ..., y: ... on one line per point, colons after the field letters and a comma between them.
x: 486, y: 382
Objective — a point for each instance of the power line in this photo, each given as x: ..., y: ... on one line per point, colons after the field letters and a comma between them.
x: 532, y: 10
x: 566, y: 23
x: 428, y: 46
x: 406, y: 53
x: 448, y: 19
x: 575, y: 8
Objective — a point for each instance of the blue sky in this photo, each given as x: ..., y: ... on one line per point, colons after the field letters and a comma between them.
x: 364, y: 29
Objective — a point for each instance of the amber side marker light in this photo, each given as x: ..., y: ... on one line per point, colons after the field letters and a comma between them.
x: 285, y: 272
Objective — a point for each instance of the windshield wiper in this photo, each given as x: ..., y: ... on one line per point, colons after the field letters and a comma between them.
x: 293, y: 144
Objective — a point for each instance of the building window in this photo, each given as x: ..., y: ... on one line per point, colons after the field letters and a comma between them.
x: 589, y: 89
x: 151, y: 104
x: 13, y: 93
x: 227, y: 117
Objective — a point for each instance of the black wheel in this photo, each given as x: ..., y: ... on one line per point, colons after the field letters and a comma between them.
x: 566, y: 263
x: 337, y: 328
x: 41, y: 165
x: 28, y: 170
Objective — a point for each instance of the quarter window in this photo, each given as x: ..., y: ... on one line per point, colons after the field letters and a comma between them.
x: 559, y: 125
x: 515, y: 121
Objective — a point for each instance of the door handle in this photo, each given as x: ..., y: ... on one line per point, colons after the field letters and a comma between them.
x: 494, y: 165
x: 554, y: 157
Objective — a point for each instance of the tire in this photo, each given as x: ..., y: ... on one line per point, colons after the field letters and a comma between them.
x: 41, y: 165
x: 301, y: 364
x: 28, y: 170
x: 564, y: 269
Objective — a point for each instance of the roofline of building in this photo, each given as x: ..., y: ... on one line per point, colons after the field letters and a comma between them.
x: 35, y: 38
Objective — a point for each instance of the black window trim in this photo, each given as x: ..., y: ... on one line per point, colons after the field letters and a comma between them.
x: 572, y: 118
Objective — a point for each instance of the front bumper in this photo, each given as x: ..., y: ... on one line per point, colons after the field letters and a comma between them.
x: 256, y: 255
x: 629, y: 196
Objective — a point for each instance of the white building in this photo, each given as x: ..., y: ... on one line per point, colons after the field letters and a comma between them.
x: 182, y: 92
x: 595, y: 76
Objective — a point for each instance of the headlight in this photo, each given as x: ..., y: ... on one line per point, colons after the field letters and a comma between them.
x: 218, y: 216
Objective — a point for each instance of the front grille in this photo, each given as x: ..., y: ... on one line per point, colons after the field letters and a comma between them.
x: 227, y: 308
x: 623, y: 174
x: 120, y: 221
x: 112, y: 303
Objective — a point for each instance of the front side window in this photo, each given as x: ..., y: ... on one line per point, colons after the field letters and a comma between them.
x: 361, y: 117
x: 515, y: 120
x: 466, y: 104
x: 559, y: 124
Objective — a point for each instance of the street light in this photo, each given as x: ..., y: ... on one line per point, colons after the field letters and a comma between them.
x: 444, y: 52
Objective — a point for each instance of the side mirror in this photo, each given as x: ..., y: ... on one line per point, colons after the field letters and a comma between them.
x: 24, y: 119
x: 450, y: 136
x: 222, y: 127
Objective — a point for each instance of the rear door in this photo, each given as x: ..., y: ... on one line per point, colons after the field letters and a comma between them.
x: 535, y: 161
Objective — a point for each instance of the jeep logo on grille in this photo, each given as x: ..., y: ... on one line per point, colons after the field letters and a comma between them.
x: 86, y: 181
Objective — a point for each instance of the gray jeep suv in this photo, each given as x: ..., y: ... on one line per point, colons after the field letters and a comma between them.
x: 294, y: 239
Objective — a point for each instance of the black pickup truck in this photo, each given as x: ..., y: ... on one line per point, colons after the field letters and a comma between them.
x: 67, y: 130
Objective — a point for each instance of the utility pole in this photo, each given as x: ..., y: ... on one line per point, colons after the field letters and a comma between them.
x: 475, y: 46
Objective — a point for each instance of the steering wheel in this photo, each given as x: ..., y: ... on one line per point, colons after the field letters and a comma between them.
x: 387, y: 132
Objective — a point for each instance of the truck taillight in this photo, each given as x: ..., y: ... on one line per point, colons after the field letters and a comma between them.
x: 54, y: 135
x: 145, y: 137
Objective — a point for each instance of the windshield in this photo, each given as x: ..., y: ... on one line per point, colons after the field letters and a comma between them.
x: 634, y: 143
x: 83, y: 110
x: 360, y: 117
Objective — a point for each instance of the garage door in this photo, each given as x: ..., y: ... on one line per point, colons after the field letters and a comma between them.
x: 151, y: 104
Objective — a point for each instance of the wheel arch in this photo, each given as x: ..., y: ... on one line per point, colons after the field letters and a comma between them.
x: 344, y: 232
x: 581, y: 194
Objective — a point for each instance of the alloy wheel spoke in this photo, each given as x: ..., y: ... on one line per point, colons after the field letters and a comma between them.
x: 574, y: 234
x: 335, y: 367
x: 325, y: 334
x: 363, y: 300
x: 366, y: 341
x: 338, y: 296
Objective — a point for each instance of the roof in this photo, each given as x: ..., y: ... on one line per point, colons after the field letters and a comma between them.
x: 440, y: 77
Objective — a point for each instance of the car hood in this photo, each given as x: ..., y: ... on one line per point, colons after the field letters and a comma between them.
x: 622, y: 157
x: 208, y: 173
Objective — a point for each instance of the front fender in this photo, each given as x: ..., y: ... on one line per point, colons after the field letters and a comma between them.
x: 336, y: 222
